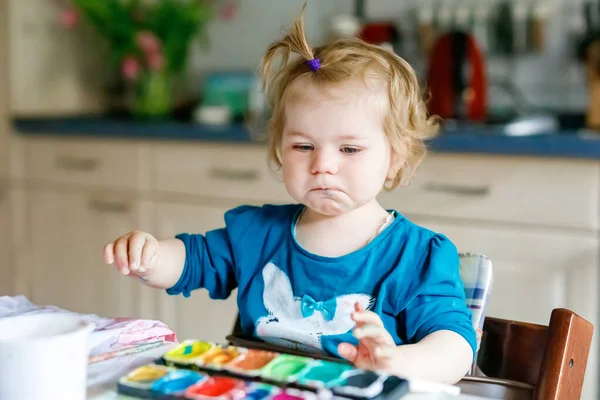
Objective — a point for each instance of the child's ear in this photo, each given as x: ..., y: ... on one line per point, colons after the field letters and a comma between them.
x: 397, y: 160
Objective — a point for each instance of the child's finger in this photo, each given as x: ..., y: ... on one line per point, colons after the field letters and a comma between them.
x: 136, y: 245
x: 348, y: 351
x: 109, y: 251
x: 121, y: 258
x: 376, y: 334
x: 148, y: 254
x: 367, y: 318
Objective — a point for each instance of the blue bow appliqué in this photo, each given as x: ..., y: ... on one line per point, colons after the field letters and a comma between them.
x: 308, y: 305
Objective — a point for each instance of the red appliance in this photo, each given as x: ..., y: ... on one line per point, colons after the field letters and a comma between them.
x: 456, y: 78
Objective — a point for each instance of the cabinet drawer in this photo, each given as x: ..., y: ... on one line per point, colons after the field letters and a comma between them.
x: 221, y: 171
x: 504, y: 189
x: 85, y: 162
x: 534, y: 270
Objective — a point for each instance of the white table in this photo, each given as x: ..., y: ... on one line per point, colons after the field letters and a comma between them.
x: 102, y: 384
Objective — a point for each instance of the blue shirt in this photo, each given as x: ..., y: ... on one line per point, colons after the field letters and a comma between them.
x: 288, y: 296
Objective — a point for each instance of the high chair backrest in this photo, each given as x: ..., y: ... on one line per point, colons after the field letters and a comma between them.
x: 519, y: 360
x: 477, y: 276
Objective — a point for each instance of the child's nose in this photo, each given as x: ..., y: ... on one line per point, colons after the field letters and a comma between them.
x: 324, y: 162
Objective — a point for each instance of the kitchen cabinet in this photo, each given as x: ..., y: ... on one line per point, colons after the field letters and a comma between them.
x: 67, y: 230
x: 506, y: 190
x: 535, y: 270
x: 198, y: 316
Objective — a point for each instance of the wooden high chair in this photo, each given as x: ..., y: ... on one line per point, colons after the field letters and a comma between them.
x: 529, y: 361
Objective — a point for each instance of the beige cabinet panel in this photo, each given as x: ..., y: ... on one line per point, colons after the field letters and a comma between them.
x: 67, y: 232
x: 518, y: 190
x: 97, y: 163
x: 198, y: 316
x: 233, y: 172
x: 536, y: 271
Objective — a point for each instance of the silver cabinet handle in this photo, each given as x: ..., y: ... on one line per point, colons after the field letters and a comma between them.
x: 234, y: 174
x: 461, y: 190
x: 113, y: 207
x: 76, y: 163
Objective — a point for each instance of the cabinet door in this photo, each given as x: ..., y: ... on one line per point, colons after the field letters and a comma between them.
x: 67, y: 232
x: 534, y: 272
x: 198, y: 316
x: 7, y: 265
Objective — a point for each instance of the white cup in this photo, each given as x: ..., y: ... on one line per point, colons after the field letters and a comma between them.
x: 44, y: 356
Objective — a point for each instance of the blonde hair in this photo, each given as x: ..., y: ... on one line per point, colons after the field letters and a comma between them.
x: 406, y: 124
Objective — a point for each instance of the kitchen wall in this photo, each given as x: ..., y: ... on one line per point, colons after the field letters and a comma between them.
x: 552, y: 79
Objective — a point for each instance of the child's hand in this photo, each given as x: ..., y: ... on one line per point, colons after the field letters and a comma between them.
x: 375, y: 350
x: 134, y: 254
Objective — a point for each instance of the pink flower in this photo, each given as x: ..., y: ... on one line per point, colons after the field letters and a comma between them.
x: 69, y: 18
x: 229, y: 11
x: 156, y: 61
x: 148, y: 42
x: 130, y: 68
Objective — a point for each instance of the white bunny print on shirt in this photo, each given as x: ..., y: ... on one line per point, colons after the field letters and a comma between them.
x: 299, y: 322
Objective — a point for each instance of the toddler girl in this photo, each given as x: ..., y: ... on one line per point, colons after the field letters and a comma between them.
x: 336, y: 272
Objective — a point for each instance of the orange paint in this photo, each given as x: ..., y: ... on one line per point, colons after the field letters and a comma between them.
x: 254, y: 359
x: 221, y: 356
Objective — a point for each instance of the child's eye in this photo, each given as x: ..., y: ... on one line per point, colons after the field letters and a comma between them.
x: 350, y: 150
x: 303, y: 147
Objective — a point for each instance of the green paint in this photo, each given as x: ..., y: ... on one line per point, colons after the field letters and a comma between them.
x: 284, y: 366
x: 325, y: 372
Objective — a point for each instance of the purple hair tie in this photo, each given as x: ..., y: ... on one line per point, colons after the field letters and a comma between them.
x: 314, y: 64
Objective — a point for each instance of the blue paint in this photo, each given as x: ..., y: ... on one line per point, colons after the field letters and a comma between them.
x: 176, y: 381
x: 257, y: 394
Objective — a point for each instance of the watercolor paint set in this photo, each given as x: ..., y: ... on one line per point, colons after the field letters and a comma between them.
x: 204, y: 370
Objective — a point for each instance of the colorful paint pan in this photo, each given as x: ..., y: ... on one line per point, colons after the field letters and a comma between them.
x: 219, y: 356
x: 294, y: 394
x: 360, y: 383
x: 259, y: 391
x: 285, y: 367
x: 251, y: 361
x: 177, y: 381
x: 324, y: 374
x: 217, y: 387
x: 143, y: 377
x: 187, y: 351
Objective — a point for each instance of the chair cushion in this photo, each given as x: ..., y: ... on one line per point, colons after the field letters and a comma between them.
x: 477, y: 277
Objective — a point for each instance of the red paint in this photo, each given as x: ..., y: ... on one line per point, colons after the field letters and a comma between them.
x: 214, y: 387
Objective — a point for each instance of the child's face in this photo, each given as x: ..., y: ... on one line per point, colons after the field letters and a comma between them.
x: 335, y: 155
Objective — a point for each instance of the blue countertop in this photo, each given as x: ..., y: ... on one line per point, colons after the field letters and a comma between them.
x: 563, y: 143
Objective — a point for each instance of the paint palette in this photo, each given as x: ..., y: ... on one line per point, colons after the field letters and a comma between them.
x: 209, y: 371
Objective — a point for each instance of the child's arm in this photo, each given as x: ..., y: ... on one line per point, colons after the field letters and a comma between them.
x: 138, y: 254
x: 442, y: 356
